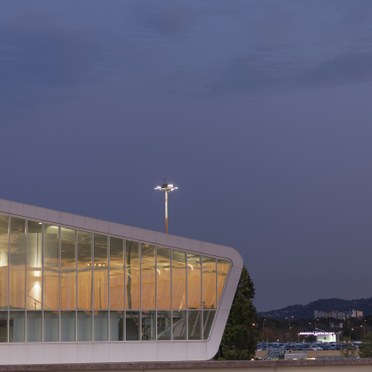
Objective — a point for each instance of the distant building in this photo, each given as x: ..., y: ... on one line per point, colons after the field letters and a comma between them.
x: 75, y: 290
x: 357, y: 313
x: 320, y: 336
x: 338, y: 314
x: 330, y: 314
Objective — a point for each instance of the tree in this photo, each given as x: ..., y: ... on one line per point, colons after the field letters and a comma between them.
x: 365, y: 349
x: 239, y: 340
x: 349, y: 350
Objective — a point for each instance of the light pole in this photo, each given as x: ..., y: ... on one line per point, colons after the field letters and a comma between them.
x: 364, y: 332
x: 289, y: 321
x: 166, y: 188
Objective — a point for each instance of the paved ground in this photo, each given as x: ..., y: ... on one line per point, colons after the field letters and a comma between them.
x: 349, y: 365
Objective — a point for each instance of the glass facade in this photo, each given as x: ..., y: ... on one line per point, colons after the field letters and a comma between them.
x: 59, y: 284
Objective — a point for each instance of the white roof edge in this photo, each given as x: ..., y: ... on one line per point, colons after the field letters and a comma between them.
x: 125, y: 231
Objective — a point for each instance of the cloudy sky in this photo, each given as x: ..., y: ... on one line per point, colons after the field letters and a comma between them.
x: 260, y: 110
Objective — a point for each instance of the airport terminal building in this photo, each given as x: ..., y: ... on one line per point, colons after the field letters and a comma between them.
x: 80, y: 290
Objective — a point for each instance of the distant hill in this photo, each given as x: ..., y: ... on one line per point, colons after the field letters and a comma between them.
x: 307, y: 311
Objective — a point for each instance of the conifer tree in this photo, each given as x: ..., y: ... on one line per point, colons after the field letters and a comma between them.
x: 239, y: 340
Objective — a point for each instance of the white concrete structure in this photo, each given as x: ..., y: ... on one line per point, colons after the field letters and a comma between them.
x: 75, y: 289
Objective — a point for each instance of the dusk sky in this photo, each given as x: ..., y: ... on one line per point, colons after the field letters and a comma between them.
x: 259, y: 110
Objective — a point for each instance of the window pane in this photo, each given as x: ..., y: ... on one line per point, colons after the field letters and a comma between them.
x: 101, y: 326
x: 17, y: 326
x: 194, y: 281
x: 68, y: 325
x: 84, y: 326
x: 34, y: 321
x: 178, y: 280
x: 163, y: 279
x: 208, y: 316
x: 117, y: 325
x: 17, y: 263
x: 51, y: 326
x: 3, y: 326
x: 68, y: 270
x: 51, y: 268
x: 148, y: 276
x: 163, y: 325
x: 116, y: 274
x: 223, y: 268
x: 34, y: 265
x: 148, y: 325
x: 84, y: 282
x: 132, y: 275
x: 100, y: 271
x: 179, y: 325
x: 209, y: 282
x: 194, y: 320
x: 4, y: 242
x: 132, y: 325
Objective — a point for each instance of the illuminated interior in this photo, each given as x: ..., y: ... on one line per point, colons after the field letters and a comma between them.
x: 59, y: 284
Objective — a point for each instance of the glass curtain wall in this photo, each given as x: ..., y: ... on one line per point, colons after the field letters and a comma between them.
x: 4, y: 267
x: 62, y: 284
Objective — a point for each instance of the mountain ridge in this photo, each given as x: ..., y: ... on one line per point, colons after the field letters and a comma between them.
x: 326, y: 305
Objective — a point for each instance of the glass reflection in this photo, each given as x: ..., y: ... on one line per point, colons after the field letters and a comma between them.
x: 163, y: 292
x: 148, y: 276
x: 163, y: 321
x: 117, y: 325
x: 178, y: 297
x: 194, y: 324
x: 132, y: 272
x: 4, y: 243
x: 223, y: 268
x: 209, y: 289
x: 100, y: 271
x: 84, y: 268
x: 17, y: 263
x: 34, y: 321
x: 101, y: 326
x: 51, y: 326
x: 17, y: 326
x: 84, y: 326
x: 34, y: 266
x: 3, y: 326
x: 148, y: 325
x: 68, y: 326
x: 116, y: 274
x: 208, y: 316
x: 194, y: 281
x: 51, y: 268
x: 68, y: 270
x: 179, y: 325
x: 132, y: 330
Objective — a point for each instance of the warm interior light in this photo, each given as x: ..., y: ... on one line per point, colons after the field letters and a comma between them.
x: 99, y: 264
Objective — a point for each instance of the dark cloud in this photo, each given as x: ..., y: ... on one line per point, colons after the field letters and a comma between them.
x: 45, y: 58
x: 347, y: 68
x: 174, y: 19
x: 252, y: 73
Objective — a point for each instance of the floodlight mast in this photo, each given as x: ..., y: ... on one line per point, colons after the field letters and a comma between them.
x: 166, y: 188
